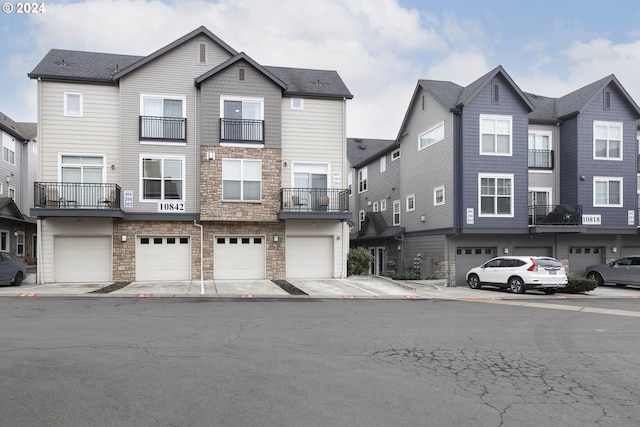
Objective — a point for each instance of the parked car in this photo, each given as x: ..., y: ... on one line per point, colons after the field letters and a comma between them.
x: 622, y: 272
x: 12, y: 269
x: 519, y: 273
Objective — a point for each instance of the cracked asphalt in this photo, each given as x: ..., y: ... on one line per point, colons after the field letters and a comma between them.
x: 202, y: 362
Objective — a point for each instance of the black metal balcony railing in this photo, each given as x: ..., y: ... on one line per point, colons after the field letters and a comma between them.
x: 541, y: 159
x: 72, y: 195
x: 314, y: 200
x: 242, y: 130
x: 555, y: 215
x: 163, y: 128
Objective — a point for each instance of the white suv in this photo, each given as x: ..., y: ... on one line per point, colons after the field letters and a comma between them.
x: 519, y: 273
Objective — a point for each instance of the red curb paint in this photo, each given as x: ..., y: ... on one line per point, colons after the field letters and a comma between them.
x: 245, y: 295
x: 412, y: 297
x: 27, y: 295
x: 144, y: 295
x: 560, y: 297
x: 348, y: 297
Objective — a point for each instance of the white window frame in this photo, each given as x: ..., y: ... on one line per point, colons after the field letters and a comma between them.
x: 361, y: 217
x: 11, y: 193
x: 20, y: 243
x: 8, y: 149
x: 436, y: 191
x: 162, y: 158
x: 375, y: 207
x: 80, y: 112
x: 383, y: 205
x: 383, y: 164
x: 395, y: 154
x: 608, y: 125
x: 396, y: 212
x: 350, y: 182
x: 182, y: 99
x: 608, y: 180
x: 411, y: 203
x: 482, y: 176
x: 431, y: 136
x: 363, y: 179
x: 495, y: 119
x: 242, y: 180
x: 297, y: 103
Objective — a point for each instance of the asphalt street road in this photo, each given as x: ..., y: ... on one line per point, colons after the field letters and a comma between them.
x: 202, y: 362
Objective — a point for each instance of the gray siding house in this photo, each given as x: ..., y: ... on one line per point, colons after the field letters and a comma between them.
x: 488, y: 169
x: 194, y: 162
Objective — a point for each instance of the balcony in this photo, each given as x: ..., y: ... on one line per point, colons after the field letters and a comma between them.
x: 314, y: 203
x: 76, y: 199
x: 241, y: 130
x: 163, y: 128
x: 556, y: 218
x: 541, y: 159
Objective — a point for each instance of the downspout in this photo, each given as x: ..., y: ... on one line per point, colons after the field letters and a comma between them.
x: 39, y: 269
x: 345, y: 243
x: 195, y: 223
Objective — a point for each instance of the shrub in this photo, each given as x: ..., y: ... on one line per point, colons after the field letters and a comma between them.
x: 412, y: 275
x: 358, y: 261
x: 579, y: 285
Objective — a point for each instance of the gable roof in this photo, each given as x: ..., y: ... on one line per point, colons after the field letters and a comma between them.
x: 22, y: 130
x: 78, y: 66
x: 375, y: 227
x: 240, y: 57
x: 471, y: 91
x: 9, y: 209
x: 576, y: 101
x: 361, y: 151
x: 202, y: 30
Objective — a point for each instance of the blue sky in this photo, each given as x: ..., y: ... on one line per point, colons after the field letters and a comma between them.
x: 379, y: 47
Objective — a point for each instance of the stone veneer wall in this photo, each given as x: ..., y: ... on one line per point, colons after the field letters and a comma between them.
x: 212, y: 208
x: 124, y: 253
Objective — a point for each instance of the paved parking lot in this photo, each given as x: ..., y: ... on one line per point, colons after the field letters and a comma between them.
x: 353, y: 287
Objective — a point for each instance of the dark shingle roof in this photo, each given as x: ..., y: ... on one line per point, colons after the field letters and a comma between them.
x: 360, y: 150
x: 75, y: 65
x: 375, y: 227
x: 312, y: 83
x: 21, y: 130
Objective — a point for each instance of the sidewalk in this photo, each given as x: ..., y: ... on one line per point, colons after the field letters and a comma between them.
x: 353, y: 287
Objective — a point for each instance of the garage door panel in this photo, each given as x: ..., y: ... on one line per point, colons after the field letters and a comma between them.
x: 163, y: 258
x: 82, y: 259
x: 310, y: 257
x: 469, y: 257
x: 239, y: 257
x: 582, y: 257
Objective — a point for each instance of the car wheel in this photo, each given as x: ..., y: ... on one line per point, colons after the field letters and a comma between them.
x: 516, y: 285
x: 17, y: 281
x: 592, y: 275
x: 474, y: 282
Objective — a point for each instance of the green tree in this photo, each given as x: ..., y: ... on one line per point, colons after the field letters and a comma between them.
x: 358, y: 261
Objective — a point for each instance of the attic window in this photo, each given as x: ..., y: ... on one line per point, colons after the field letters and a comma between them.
x: 607, y: 100
x: 495, y: 93
x: 202, y: 52
x: 241, y: 73
x: 424, y: 102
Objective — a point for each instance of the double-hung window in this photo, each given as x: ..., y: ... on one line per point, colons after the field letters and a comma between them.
x: 383, y: 164
x: 8, y: 149
x: 163, y: 118
x: 607, y: 191
x: 438, y: 196
x: 396, y: 212
x: 496, y: 195
x: 362, y: 180
x: 162, y: 178
x: 431, y: 136
x: 242, y: 179
x: 607, y: 141
x: 411, y: 202
x: 495, y: 135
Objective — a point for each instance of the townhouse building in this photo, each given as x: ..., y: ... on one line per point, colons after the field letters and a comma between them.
x: 18, y: 171
x: 194, y: 162
x: 488, y: 169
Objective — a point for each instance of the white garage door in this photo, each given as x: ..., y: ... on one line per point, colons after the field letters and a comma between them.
x: 82, y: 259
x: 310, y: 257
x: 163, y: 258
x: 582, y: 257
x: 239, y: 257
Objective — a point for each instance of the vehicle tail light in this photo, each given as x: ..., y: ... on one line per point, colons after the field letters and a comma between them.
x: 534, y: 266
